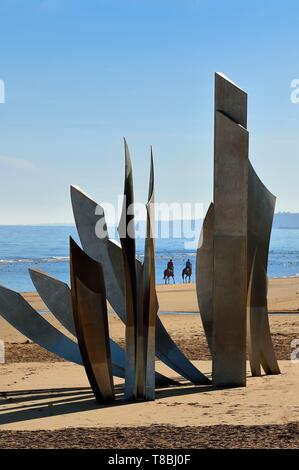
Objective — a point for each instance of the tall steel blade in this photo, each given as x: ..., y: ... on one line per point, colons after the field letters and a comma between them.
x: 204, y: 274
x: 91, y: 321
x: 261, y: 206
x: 127, y: 239
x: 23, y: 317
x: 150, y: 307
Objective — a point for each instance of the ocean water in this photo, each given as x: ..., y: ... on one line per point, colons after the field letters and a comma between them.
x: 47, y: 248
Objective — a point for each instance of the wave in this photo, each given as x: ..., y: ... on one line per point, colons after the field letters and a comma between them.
x: 50, y: 259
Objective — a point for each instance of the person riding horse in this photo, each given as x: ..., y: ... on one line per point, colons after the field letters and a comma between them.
x: 187, y: 271
x: 170, y: 266
x: 188, y: 264
x: 169, y: 272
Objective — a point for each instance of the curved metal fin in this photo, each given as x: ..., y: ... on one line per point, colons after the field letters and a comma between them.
x: 149, y: 300
x: 23, y: 317
x: 90, y: 222
x: 204, y: 274
x: 261, y: 206
x: 127, y: 239
x: 91, y: 321
x: 57, y: 297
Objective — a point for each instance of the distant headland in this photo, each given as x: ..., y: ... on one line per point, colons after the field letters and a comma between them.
x: 286, y: 220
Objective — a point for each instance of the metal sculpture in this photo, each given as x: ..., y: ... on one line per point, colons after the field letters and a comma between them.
x: 57, y: 297
x: 88, y: 214
x: 233, y: 253
x: 231, y: 276
x: 91, y: 322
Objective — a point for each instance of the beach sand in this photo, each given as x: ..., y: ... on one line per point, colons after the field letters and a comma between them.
x: 52, y: 405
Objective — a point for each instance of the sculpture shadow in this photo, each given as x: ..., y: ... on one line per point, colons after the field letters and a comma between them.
x: 66, y: 401
x: 34, y: 404
x: 189, y: 390
x: 21, y: 396
x: 43, y: 403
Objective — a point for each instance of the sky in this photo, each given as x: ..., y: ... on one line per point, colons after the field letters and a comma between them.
x: 80, y: 75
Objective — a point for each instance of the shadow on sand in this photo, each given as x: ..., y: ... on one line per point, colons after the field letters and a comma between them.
x: 24, y: 405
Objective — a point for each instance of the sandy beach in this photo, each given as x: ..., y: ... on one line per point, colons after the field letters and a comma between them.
x: 55, y: 400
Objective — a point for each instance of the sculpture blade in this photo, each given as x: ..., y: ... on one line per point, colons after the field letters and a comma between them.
x: 16, y: 310
x: 91, y: 321
x: 134, y: 367
x: 57, y: 297
x: 230, y: 234
x: 204, y: 275
x: 150, y: 307
x: 261, y: 206
x: 90, y: 222
x: 254, y: 321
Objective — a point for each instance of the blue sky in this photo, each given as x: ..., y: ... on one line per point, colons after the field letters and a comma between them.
x: 80, y: 75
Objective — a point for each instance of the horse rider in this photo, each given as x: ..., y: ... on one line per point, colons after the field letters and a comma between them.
x: 170, y: 266
x: 188, y: 265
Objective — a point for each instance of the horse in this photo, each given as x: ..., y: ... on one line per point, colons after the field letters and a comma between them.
x: 186, y: 273
x: 168, y: 273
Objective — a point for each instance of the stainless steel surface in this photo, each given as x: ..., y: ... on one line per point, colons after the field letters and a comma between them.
x: 205, y: 273
x: 150, y: 307
x: 15, y: 310
x: 57, y: 297
x: 232, y: 257
x: 134, y: 369
x: 261, y: 205
x: 91, y: 321
x: 109, y: 254
x: 230, y: 234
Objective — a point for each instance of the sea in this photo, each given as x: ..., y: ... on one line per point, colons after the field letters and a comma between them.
x: 47, y: 248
